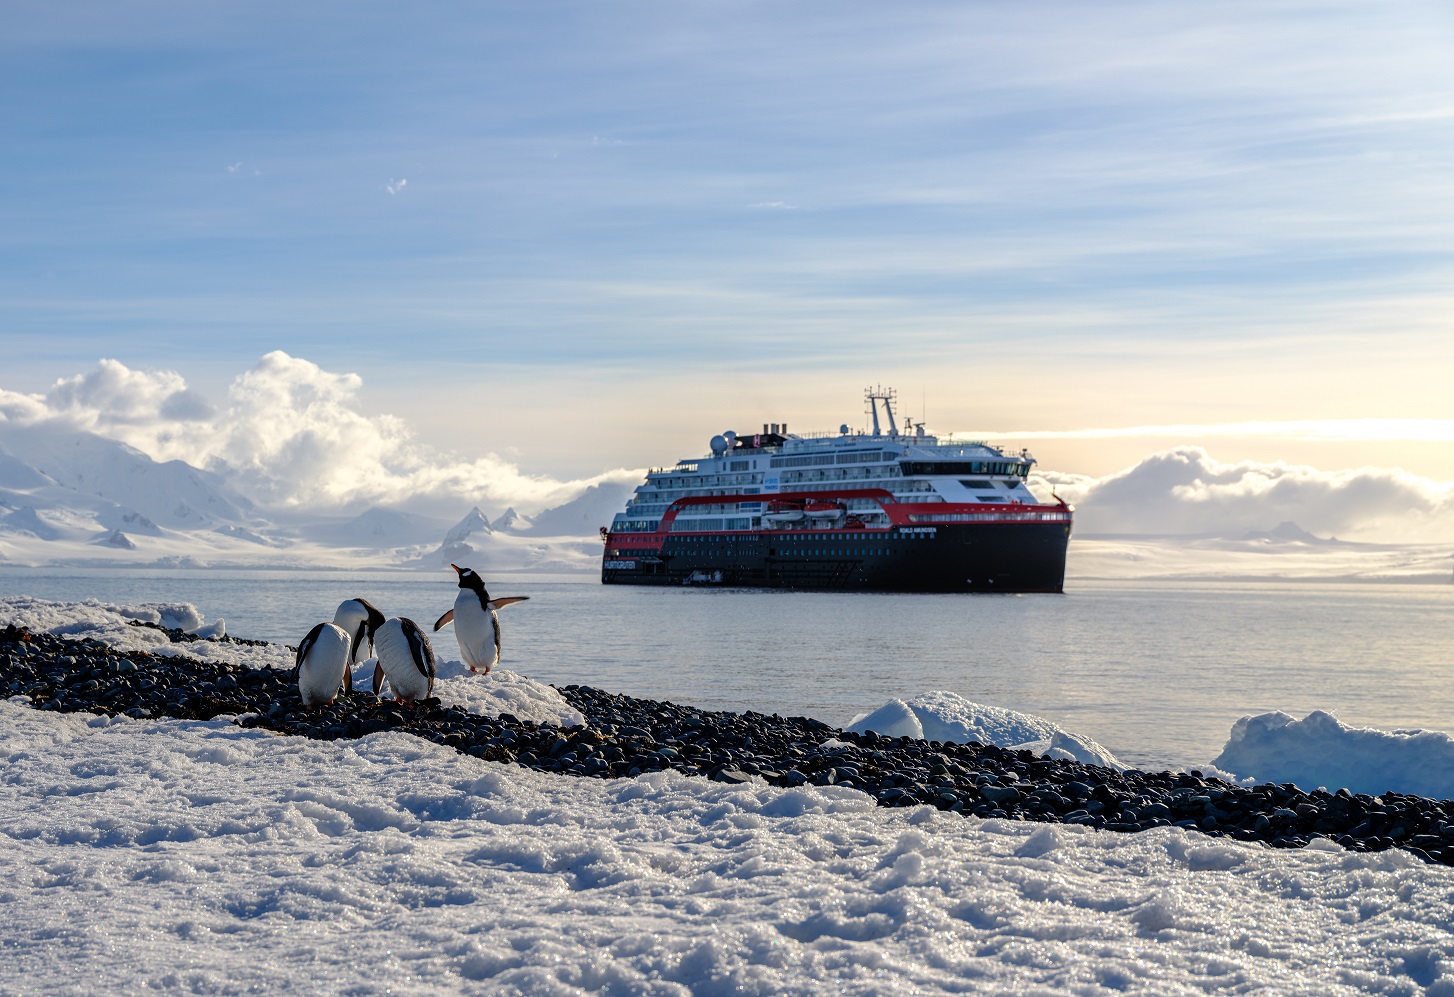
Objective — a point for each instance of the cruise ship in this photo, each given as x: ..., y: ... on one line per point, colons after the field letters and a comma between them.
x: 870, y: 510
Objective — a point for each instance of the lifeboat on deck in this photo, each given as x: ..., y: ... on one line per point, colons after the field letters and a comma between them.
x: 821, y: 511
x: 783, y: 513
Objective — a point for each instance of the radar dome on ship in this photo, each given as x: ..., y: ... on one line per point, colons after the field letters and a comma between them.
x: 731, y: 437
x: 719, y: 444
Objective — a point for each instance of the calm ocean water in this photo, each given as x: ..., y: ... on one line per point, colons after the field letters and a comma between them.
x: 1157, y: 673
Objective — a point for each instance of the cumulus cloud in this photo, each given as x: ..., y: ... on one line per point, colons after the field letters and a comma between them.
x: 1186, y: 491
x: 113, y: 396
x: 289, y: 434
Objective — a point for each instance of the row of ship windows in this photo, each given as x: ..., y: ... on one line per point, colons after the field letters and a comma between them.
x: 861, y: 457
x: 974, y: 517
x: 661, y: 499
x: 843, y: 474
x: 707, y: 481
x: 909, y: 467
x: 797, y: 538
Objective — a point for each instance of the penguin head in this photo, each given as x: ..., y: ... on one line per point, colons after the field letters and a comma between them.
x: 375, y: 618
x: 470, y: 579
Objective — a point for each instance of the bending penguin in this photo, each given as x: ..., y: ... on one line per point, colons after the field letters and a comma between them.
x: 406, y: 658
x: 360, y: 620
x: 476, y: 626
x: 322, y: 665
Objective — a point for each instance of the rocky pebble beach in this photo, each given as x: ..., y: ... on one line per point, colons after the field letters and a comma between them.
x: 625, y: 736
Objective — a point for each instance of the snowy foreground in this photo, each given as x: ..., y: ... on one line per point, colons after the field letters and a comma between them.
x: 203, y: 858
x: 199, y: 857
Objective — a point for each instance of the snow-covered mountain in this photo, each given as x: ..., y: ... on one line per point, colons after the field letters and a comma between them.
x: 53, y: 468
x: 375, y: 529
x: 464, y: 539
x: 1287, y: 532
x: 584, y: 515
x: 511, y: 521
x: 70, y: 497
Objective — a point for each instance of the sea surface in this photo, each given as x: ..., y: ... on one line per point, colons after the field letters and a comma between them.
x: 1157, y: 673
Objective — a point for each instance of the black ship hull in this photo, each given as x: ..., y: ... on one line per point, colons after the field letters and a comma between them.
x: 971, y: 557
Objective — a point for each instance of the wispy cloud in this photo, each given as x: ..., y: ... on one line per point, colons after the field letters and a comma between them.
x: 1306, y: 430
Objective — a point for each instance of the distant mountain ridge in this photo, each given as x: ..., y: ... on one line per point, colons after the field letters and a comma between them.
x: 585, y: 514
x: 1288, y: 532
x: 174, y: 493
x: 73, y: 497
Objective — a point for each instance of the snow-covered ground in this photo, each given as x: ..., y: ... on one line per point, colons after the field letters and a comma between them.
x: 203, y: 858
x: 199, y: 857
x: 1265, y: 557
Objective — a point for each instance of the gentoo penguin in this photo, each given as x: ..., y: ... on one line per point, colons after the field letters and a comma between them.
x: 322, y: 665
x: 406, y: 658
x: 360, y: 620
x: 476, y: 626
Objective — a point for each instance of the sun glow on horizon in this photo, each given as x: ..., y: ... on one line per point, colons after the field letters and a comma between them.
x: 1302, y: 430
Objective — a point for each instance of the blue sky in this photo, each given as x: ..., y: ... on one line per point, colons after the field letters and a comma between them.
x: 590, y: 235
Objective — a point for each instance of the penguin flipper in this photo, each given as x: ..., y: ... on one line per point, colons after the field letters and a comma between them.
x: 306, y: 645
x: 509, y: 600
x: 347, y: 677
x: 444, y: 620
x: 419, y: 650
x: 378, y: 679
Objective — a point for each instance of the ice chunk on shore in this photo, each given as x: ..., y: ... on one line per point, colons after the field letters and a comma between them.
x: 1320, y: 750
x: 44, y: 614
x: 945, y: 716
x: 895, y: 718
x: 212, y: 631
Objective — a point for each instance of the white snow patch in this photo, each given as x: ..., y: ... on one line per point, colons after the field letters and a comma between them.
x: 503, y: 691
x: 945, y: 716
x: 1320, y: 750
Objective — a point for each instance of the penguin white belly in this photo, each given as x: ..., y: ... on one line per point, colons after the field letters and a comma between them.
x: 410, y: 669
x: 322, y: 664
x: 477, y: 629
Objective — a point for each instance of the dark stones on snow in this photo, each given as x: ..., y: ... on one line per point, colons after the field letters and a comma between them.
x: 626, y: 737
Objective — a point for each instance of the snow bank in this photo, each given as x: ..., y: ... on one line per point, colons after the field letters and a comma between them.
x: 42, y: 614
x: 944, y: 716
x: 1320, y: 751
x: 199, y: 857
x: 111, y: 623
x: 503, y: 691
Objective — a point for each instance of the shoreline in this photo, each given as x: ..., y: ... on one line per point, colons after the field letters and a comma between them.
x: 625, y: 737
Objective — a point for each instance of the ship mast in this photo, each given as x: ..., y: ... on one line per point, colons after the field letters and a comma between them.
x: 888, y: 396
